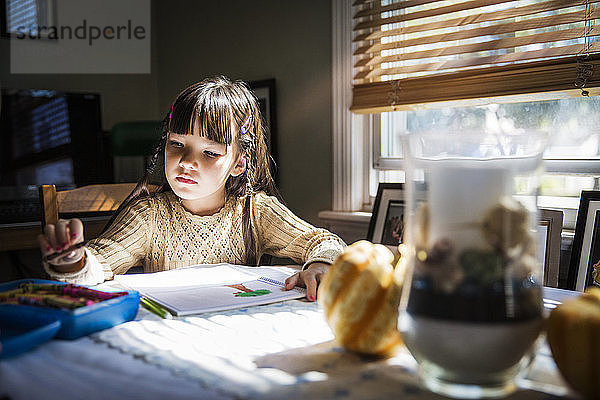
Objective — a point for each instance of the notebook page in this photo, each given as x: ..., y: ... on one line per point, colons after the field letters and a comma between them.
x: 207, y: 288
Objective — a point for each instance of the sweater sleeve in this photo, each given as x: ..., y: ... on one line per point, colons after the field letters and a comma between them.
x: 123, y: 245
x: 283, y: 234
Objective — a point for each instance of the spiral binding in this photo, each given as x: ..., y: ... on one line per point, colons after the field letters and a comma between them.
x: 279, y: 283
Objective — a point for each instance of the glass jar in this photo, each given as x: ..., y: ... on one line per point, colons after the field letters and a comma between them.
x: 474, y: 306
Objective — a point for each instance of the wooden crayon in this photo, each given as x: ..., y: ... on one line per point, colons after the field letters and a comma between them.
x: 11, y: 293
x: 62, y: 302
x: 49, y: 300
x: 31, y: 301
x: 75, y: 290
x: 72, y: 290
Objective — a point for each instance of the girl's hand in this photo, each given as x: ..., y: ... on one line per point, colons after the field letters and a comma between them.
x: 59, y: 237
x: 309, y: 278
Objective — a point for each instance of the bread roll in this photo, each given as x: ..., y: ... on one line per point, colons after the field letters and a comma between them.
x: 360, y: 295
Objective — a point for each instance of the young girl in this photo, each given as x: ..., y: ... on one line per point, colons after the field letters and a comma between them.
x: 216, y: 204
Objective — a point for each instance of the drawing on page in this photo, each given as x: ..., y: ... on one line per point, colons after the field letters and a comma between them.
x: 245, y: 292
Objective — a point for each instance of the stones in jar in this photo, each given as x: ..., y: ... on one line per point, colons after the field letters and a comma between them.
x: 482, y: 283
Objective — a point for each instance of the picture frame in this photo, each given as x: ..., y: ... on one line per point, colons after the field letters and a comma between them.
x: 386, y: 225
x: 265, y: 92
x: 549, y: 229
x: 585, y: 254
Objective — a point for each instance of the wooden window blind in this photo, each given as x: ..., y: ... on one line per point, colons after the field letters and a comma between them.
x: 414, y: 52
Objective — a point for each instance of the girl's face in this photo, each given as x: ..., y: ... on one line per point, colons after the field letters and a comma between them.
x: 197, y: 169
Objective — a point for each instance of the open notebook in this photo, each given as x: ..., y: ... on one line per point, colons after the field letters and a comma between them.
x: 213, y: 287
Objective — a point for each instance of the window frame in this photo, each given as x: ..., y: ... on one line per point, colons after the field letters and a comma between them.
x: 350, y: 132
x: 351, y: 184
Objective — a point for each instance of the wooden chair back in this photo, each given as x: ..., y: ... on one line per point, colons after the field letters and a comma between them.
x: 102, y: 199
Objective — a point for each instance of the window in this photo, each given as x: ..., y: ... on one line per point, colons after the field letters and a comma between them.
x: 18, y: 16
x: 572, y: 156
x: 507, y: 65
x: 20, y: 13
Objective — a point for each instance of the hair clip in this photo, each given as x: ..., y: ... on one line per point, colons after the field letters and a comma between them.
x: 246, y: 125
x: 171, y: 113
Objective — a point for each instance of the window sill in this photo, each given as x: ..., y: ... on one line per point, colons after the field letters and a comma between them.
x: 350, y: 226
x: 363, y: 217
x: 347, y: 216
x: 353, y: 225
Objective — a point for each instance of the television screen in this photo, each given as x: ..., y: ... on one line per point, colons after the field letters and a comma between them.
x: 51, y: 137
x: 38, y: 120
x: 58, y: 172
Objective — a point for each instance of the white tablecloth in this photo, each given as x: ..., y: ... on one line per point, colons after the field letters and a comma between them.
x: 283, y: 350
x: 87, y: 370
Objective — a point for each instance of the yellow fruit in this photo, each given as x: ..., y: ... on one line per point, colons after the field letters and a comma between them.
x: 360, y: 295
x: 573, y: 334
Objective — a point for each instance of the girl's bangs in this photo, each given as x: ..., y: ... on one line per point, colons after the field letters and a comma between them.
x: 207, y: 113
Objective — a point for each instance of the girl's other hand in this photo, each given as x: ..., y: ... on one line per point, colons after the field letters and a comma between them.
x: 56, y: 238
x: 309, y: 278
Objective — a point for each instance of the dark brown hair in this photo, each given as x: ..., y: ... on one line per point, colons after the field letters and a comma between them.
x: 227, y: 112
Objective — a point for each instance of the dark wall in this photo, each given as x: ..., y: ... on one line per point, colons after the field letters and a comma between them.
x: 289, y: 41
x: 254, y: 40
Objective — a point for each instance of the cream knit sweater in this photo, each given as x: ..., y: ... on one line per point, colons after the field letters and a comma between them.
x: 158, y: 233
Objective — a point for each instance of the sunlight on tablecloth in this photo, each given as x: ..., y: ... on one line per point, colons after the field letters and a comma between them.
x: 283, y: 350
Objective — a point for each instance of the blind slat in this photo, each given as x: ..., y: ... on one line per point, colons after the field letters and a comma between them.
x: 472, y: 4
x: 472, y: 62
x: 492, y: 45
x: 462, y: 21
x: 373, y: 10
x: 479, y: 17
x: 433, y: 44
x: 510, y: 27
x: 406, y: 3
x: 538, y: 77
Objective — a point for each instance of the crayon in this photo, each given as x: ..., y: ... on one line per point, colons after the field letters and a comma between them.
x: 12, y: 299
x: 51, y: 300
x: 62, y: 302
x: 11, y: 293
x: 39, y: 302
x: 72, y: 290
x: 31, y: 301
x: 155, y: 308
x: 64, y: 296
x: 52, y: 256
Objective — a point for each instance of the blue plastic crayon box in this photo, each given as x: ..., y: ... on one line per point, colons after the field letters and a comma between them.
x: 22, y: 327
